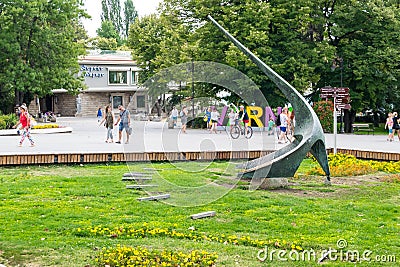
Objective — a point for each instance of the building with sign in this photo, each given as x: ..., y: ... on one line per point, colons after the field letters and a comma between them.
x: 111, y: 77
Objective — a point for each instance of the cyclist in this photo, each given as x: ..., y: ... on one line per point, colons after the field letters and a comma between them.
x: 243, y: 116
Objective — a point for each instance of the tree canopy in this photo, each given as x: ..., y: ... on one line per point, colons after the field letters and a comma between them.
x: 130, y: 15
x: 300, y: 39
x: 115, y: 22
x: 38, y: 48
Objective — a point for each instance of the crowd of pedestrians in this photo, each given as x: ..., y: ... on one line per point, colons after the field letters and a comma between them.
x: 283, y: 126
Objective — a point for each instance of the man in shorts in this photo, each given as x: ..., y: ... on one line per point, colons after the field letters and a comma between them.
x: 124, y: 121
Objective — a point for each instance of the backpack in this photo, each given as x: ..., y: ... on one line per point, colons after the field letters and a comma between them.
x: 278, y: 120
x: 181, y: 114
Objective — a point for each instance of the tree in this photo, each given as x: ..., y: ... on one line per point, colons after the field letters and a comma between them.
x: 130, y: 15
x: 278, y: 32
x: 111, y: 11
x: 105, y: 43
x: 365, y: 35
x: 107, y: 30
x: 299, y: 39
x: 38, y: 51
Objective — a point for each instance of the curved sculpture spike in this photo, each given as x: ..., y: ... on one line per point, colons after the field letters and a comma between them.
x: 309, y: 134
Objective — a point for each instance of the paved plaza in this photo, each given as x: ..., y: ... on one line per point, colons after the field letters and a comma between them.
x: 88, y: 137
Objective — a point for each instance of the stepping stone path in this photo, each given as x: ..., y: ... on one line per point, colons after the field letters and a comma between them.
x: 141, y: 178
x: 203, y: 215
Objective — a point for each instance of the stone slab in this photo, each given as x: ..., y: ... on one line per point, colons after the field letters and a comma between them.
x: 140, y: 186
x: 157, y: 197
x: 138, y: 179
x: 136, y: 174
x: 203, y: 215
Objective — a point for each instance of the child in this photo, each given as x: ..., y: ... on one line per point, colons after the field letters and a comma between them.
x: 389, y: 126
x: 214, y: 120
x: 271, y: 125
x: 99, y: 115
x: 208, y: 115
x: 232, y: 118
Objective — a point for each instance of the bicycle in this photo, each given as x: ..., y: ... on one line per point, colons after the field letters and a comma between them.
x: 238, y: 130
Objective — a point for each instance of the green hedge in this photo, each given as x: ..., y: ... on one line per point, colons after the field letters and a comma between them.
x: 8, y: 121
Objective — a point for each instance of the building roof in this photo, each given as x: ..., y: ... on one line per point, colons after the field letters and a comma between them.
x: 105, y: 89
x: 107, y: 57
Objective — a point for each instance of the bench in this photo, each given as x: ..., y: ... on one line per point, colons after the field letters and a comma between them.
x: 363, y: 127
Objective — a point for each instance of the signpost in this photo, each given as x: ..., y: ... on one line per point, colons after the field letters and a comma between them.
x: 341, y: 100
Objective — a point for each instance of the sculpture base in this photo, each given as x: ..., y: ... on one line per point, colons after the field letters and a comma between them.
x: 271, y: 183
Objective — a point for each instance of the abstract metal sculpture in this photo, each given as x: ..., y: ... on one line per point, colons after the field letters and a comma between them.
x: 309, y: 135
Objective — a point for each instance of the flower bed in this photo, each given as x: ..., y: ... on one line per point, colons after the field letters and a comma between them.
x: 46, y: 126
x: 145, y: 231
x: 349, y: 165
x: 138, y: 256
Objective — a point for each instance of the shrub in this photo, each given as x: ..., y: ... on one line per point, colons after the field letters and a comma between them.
x: 2, y: 123
x: 324, y: 111
x: 197, y: 123
x: 8, y: 121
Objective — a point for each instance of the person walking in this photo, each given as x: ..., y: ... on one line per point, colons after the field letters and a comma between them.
x: 389, y: 126
x: 214, y: 120
x: 396, y: 125
x: 108, y: 121
x: 284, y: 124
x: 174, y: 115
x: 25, y: 122
x: 244, y: 117
x: 183, y: 114
x: 271, y: 125
x: 124, y: 121
x: 208, y: 115
x: 232, y: 118
x: 99, y: 114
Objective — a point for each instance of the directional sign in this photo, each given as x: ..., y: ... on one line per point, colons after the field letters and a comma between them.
x: 340, y: 94
x: 326, y: 95
x: 343, y: 106
x: 335, y: 89
x: 342, y: 90
x: 327, y: 90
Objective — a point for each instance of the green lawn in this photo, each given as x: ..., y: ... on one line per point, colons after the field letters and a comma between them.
x: 42, y: 208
